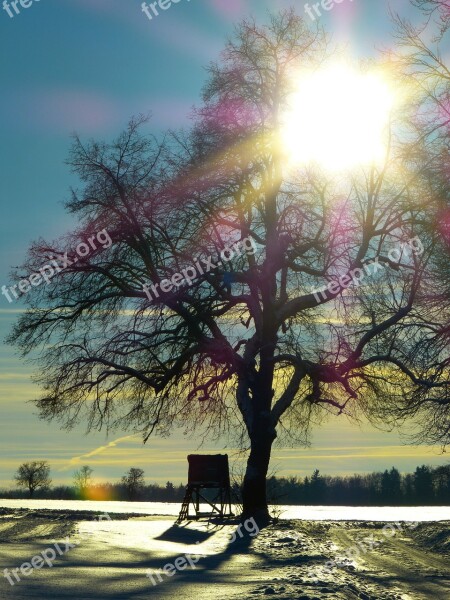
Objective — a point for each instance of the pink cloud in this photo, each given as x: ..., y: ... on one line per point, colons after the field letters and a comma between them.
x: 59, y: 110
x: 230, y: 8
x: 165, y: 113
x: 99, y: 6
x: 73, y: 110
x: 87, y: 112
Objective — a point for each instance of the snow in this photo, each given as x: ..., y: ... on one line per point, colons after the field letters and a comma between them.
x: 116, y: 559
x: 309, y: 513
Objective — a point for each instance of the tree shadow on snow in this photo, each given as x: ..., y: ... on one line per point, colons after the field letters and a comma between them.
x: 121, y: 573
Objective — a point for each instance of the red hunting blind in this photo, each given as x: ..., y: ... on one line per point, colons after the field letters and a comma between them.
x: 207, y: 473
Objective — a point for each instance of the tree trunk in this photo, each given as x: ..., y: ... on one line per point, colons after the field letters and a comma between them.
x: 261, y: 431
x: 254, y: 493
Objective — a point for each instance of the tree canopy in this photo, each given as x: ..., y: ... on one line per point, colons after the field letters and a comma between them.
x: 34, y: 475
x: 134, y: 482
x: 248, y: 341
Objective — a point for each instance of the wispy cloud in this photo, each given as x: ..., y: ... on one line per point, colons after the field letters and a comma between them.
x: 76, y: 460
x: 232, y: 9
x: 14, y: 376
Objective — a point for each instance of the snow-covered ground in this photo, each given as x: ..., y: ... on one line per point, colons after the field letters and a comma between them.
x: 309, y: 513
x: 308, y: 559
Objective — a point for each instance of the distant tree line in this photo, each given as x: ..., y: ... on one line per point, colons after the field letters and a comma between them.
x: 426, y: 486
x: 33, y: 481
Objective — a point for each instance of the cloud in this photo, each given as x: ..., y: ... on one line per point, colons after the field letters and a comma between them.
x: 75, y: 109
x: 232, y: 9
x: 60, y: 110
x: 87, y: 111
x: 14, y: 376
x: 76, y: 460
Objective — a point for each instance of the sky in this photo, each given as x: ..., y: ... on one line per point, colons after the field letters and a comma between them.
x: 87, y: 66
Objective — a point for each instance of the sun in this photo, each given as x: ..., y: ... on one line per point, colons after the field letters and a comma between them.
x: 337, y: 118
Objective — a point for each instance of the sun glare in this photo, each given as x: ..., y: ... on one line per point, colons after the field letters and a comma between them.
x: 338, y: 119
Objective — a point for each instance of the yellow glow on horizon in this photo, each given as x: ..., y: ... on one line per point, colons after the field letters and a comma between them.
x: 338, y: 118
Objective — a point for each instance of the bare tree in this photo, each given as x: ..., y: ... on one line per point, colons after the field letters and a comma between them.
x: 422, y: 69
x: 82, y: 480
x: 439, y: 11
x: 246, y: 346
x: 34, y: 475
x: 134, y: 482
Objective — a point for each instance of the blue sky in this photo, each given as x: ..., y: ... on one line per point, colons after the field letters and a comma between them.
x: 87, y: 66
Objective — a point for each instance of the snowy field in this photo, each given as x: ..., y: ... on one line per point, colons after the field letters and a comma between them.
x: 138, y: 552
x: 309, y: 513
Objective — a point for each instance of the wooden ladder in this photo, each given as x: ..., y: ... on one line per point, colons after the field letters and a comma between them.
x: 184, y: 512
